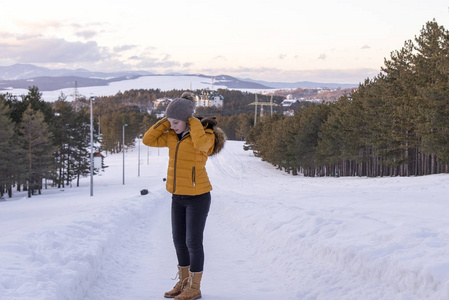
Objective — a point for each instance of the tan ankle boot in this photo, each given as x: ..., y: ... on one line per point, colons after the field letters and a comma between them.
x: 192, y: 289
x: 183, y: 274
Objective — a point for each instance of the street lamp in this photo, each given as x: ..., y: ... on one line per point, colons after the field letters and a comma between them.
x: 123, y: 145
x: 138, y: 160
x: 91, y: 148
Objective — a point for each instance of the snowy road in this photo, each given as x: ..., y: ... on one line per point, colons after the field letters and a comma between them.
x: 269, y: 235
x: 140, y: 266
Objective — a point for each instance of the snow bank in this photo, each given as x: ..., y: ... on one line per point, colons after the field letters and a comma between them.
x: 342, y: 238
x: 62, y: 258
x: 269, y: 234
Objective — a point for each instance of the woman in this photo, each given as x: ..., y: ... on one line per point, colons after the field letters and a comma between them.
x: 190, y: 142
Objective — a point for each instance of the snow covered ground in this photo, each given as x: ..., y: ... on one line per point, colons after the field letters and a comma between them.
x: 269, y: 235
x: 164, y: 83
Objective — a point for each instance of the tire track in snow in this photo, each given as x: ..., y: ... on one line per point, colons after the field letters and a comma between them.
x: 131, y: 269
x: 299, y: 260
x: 269, y: 247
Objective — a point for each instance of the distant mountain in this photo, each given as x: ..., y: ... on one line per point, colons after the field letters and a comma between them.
x: 48, y: 83
x: 27, y: 71
x: 234, y: 83
x: 22, y: 76
x: 302, y: 84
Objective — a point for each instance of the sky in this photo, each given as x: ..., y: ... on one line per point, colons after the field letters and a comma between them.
x: 343, y: 41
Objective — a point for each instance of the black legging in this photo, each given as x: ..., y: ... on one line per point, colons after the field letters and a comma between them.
x: 188, y: 217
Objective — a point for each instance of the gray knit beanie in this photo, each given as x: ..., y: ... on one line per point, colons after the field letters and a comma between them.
x: 181, y: 108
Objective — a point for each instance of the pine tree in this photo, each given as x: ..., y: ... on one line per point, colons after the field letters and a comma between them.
x: 9, y: 152
x: 72, y: 137
x: 37, y: 143
x: 80, y: 136
x: 432, y: 69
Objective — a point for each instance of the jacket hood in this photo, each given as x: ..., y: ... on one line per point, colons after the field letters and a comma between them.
x: 220, y: 136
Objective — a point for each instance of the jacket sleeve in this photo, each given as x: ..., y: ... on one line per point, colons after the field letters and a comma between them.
x: 156, y: 136
x: 202, y: 140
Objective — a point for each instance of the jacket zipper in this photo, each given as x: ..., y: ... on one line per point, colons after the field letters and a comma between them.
x: 176, y: 162
x: 193, y: 175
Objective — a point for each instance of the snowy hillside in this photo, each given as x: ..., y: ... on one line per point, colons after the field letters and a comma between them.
x: 164, y: 83
x: 269, y: 235
x: 16, y: 79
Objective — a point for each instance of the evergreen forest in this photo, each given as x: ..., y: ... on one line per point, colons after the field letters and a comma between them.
x: 44, y: 143
x: 396, y: 124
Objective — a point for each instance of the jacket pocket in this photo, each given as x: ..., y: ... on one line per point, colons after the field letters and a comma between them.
x: 193, y: 176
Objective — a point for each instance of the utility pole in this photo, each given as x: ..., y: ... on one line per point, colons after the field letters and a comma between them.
x: 138, y: 160
x: 256, y: 103
x: 91, y: 148
x: 123, y: 145
x: 255, y: 112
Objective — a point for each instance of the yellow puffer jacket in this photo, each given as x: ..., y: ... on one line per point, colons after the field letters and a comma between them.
x: 186, y: 174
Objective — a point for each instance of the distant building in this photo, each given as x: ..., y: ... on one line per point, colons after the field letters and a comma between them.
x: 209, y: 98
x: 290, y: 104
x: 161, y: 101
x: 98, y: 160
x: 289, y: 101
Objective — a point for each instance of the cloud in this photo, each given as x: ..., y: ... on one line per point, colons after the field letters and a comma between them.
x: 51, y: 50
x: 166, y: 57
x: 146, y: 58
x: 29, y: 48
x: 86, y: 34
x: 40, y: 26
x: 78, y: 30
x: 26, y: 37
x: 10, y: 37
x: 124, y: 48
x: 161, y: 62
x: 351, y: 76
x: 220, y: 57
